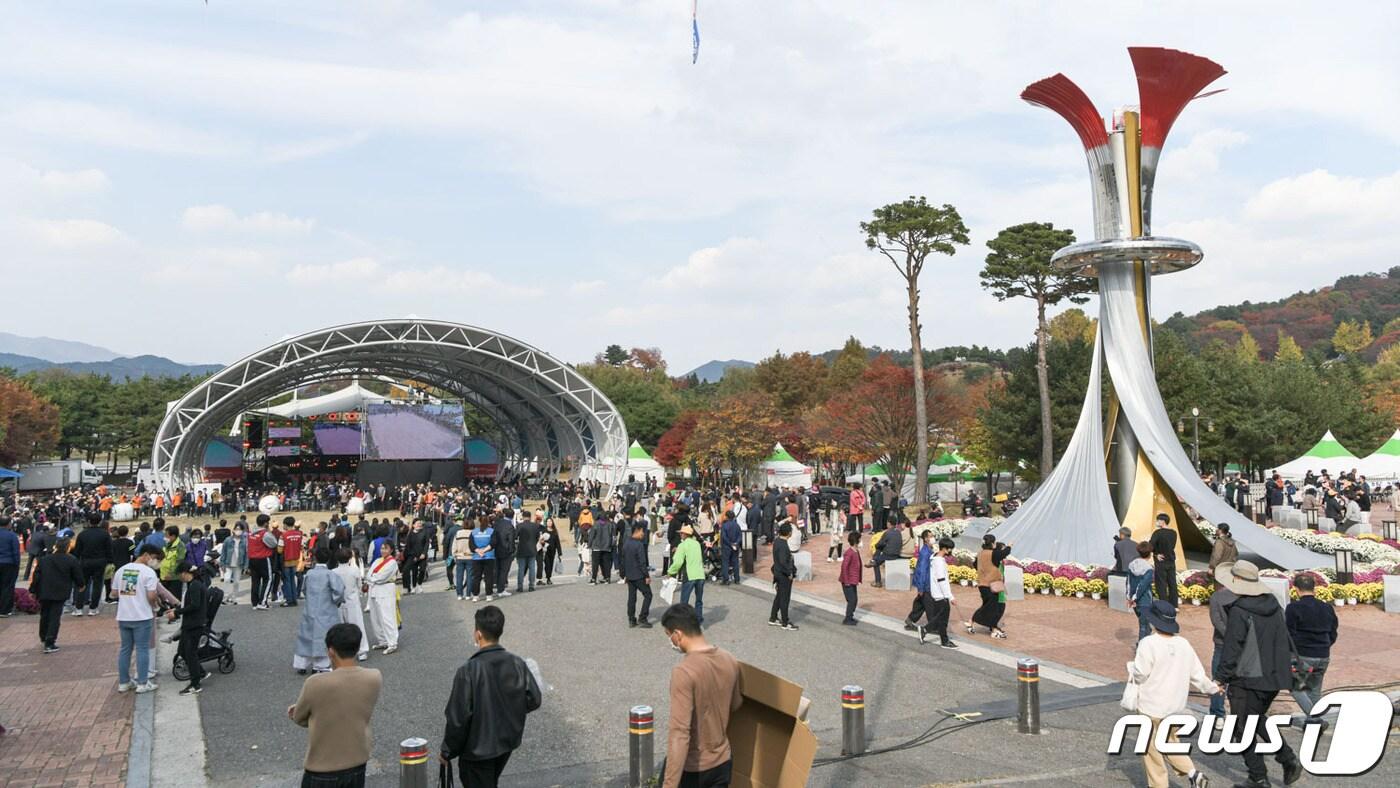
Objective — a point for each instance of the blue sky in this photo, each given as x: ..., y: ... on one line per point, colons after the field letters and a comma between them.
x: 198, y: 181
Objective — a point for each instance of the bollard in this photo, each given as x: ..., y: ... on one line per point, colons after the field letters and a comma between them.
x: 749, y: 552
x: 640, y: 756
x: 1028, y: 696
x: 413, y: 763
x: 852, y: 720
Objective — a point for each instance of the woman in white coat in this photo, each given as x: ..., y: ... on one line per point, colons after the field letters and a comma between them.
x: 383, y: 602
x: 352, y: 573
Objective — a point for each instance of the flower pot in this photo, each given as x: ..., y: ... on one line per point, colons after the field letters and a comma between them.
x: 964, y: 583
x: 1045, y: 591
x: 1339, y: 602
x: 1079, y: 594
x: 1096, y: 595
x: 1351, y: 600
x: 1058, y: 592
x: 1196, y: 602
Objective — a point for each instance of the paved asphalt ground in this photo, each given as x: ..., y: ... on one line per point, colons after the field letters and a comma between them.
x: 598, y: 668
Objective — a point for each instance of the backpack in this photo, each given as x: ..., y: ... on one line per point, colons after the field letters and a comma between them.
x: 25, y: 601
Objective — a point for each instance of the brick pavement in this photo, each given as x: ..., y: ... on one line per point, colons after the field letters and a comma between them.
x: 65, y: 723
x: 1087, y: 635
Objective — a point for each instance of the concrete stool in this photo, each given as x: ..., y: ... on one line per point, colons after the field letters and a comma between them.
x: 1015, y: 583
x: 803, y: 560
x: 897, y: 575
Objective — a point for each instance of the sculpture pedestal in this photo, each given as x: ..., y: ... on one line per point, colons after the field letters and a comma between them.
x: 803, y: 560
x: 1390, y: 600
x: 896, y: 576
x: 1277, y: 586
x: 1015, y: 583
x: 1118, y: 593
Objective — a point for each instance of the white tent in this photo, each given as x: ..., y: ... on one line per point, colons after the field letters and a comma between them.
x: 783, y: 470
x: 352, y: 397
x: 1327, y: 454
x: 1383, y: 463
x: 641, y: 465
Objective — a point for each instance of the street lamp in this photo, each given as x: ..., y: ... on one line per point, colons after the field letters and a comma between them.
x: 1343, y: 557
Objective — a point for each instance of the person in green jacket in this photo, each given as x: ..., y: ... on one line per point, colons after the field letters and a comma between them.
x: 688, y: 558
x: 174, y: 554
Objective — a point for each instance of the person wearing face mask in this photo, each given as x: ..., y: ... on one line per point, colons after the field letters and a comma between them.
x: 705, y: 690
x: 491, y: 695
x: 135, y: 585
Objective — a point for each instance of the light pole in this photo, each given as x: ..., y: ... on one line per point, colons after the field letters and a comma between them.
x: 1195, y: 434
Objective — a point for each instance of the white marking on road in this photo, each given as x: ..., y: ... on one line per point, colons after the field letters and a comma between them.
x: 176, y: 761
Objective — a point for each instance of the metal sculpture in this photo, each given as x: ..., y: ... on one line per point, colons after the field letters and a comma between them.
x: 546, y: 410
x: 1142, y: 471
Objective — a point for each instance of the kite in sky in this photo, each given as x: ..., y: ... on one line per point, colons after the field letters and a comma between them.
x: 695, y: 31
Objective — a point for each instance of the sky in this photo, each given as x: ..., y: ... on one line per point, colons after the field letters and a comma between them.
x: 200, y: 180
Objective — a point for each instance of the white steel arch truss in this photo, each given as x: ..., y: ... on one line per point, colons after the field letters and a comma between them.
x: 545, y: 409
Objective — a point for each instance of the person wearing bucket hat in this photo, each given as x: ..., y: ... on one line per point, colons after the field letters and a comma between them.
x: 689, y: 560
x: 1256, y: 664
x: 1220, y: 602
x: 1165, y: 668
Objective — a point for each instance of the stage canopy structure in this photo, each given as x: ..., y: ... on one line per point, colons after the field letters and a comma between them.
x: 549, y: 416
x: 1327, y: 453
x: 783, y: 470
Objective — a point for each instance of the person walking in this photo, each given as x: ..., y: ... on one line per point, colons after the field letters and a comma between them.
x: 233, y: 557
x: 1312, y: 626
x: 383, y: 599
x: 991, y: 585
x: 856, y: 508
x: 193, y: 613
x: 40, y: 542
x: 54, y: 580
x: 600, y: 542
x: 483, y: 559
x: 491, y: 695
x: 352, y: 575
x: 637, y: 573
x: 93, y: 549
x: 551, y: 549
x: 1140, y: 575
x: 784, y: 572
x: 262, y: 547
x: 135, y: 585
x: 931, y: 580
x: 706, y: 688
x: 1255, y: 666
x: 324, y: 594
x: 850, y: 577
x: 527, y: 538
x: 687, y: 558
x: 1220, y: 602
x: 1165, y: 667
x: 503, y: 546
x: 461, y: 551
x: 731, y: 539
x: 9, y: 567
x: 1164, y: 559
x: 336, y: 708
x: 289, y: 544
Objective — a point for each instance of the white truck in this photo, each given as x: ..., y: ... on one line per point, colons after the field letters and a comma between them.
x: 58, y: 475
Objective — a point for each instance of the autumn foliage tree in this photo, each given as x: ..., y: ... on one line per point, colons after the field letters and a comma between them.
x: 670, y: 449
x: 28, y: 423
x: 738, y: 434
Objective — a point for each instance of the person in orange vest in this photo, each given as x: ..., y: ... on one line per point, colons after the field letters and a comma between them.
x: 199, y: 502
x: 176, y: 499
x: 105, y: 506
x: 159, y: 503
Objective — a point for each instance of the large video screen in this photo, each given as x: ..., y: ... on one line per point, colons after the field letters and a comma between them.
x: 428, y: 431
x: 337, y: 438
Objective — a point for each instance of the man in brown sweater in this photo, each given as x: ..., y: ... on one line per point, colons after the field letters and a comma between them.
x: 336, y: 706
x: 705, y: 690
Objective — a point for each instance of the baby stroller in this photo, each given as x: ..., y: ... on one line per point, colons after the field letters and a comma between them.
x: 712, y: 558
x: 213, y: 646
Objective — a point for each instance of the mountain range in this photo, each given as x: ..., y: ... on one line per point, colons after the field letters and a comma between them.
x: 712, y: 371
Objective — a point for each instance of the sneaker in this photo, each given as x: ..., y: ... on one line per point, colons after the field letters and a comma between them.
x: 631, y: 625
x: 149, y: 686
x: 909, y: 626
x: 1198, y: 779
x: 504, y: 594
x: 789, y: 627
x: 191, y: 690
x: 593, y: 582
x: 830, y: 560
x: 92, y: 611
x: 50, y: 649
x: 1292, y: 772
x: 531, y: 589
x: 923, y: 634
x: 773, y: 622
x: 620, y: 581
x: 644, y: 624
x: 127, y: 687
x: 77, y: 612
x: 850, y: 622
x: 948, y: 644
x: 490, y: 598
x: 474, y: 599
x: 390, y: 650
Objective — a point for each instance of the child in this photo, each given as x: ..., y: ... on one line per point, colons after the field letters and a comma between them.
x: 850, y: 577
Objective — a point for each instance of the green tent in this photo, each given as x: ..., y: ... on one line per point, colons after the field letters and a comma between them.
x: 1327, y: 453
x: 636, y: 452
x: 780, y: 454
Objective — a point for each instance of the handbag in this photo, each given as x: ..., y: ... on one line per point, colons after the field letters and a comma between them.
x: 446, y: 779
x: 1129, y: 701
x: 998, y: 586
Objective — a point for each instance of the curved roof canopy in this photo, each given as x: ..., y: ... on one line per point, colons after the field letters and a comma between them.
x: 545, y: 409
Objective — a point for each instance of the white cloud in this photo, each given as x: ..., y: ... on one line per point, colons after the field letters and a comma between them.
x: 22, y: 177
x: 346, y: 272
x: 221, y: 218
x: 114, y: 127
x: 444, y: 279
x: 1200, y: 156
x: 589, y: 287
x: 1300, y: 202
x: 297, y: 150
x: 73, y: 234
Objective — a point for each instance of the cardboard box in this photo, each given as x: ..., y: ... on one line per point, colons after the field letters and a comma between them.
x: 771, y: 743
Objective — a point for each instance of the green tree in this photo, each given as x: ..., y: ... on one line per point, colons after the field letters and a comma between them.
x: 906, y: 233
x: 612, y: 354
x: 1019, y: 267
x: 646, y: 399
x: 849, y: 365
x: 795, y: 382
x: 1288, y: 351
x: 1247, y: 349
x: 1072, y: 324
x: 1012, y: 416
x: 1351, y: 337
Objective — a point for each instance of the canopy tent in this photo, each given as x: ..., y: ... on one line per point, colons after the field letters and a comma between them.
x: 783, y: 470
x: 642, y: 466
x: 1383, y: 463
x: 6, y: 473
x: 1327, y: 453
x: 351, y: 397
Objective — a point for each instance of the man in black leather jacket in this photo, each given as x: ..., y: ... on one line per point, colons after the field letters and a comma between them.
x: 491, y: 694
